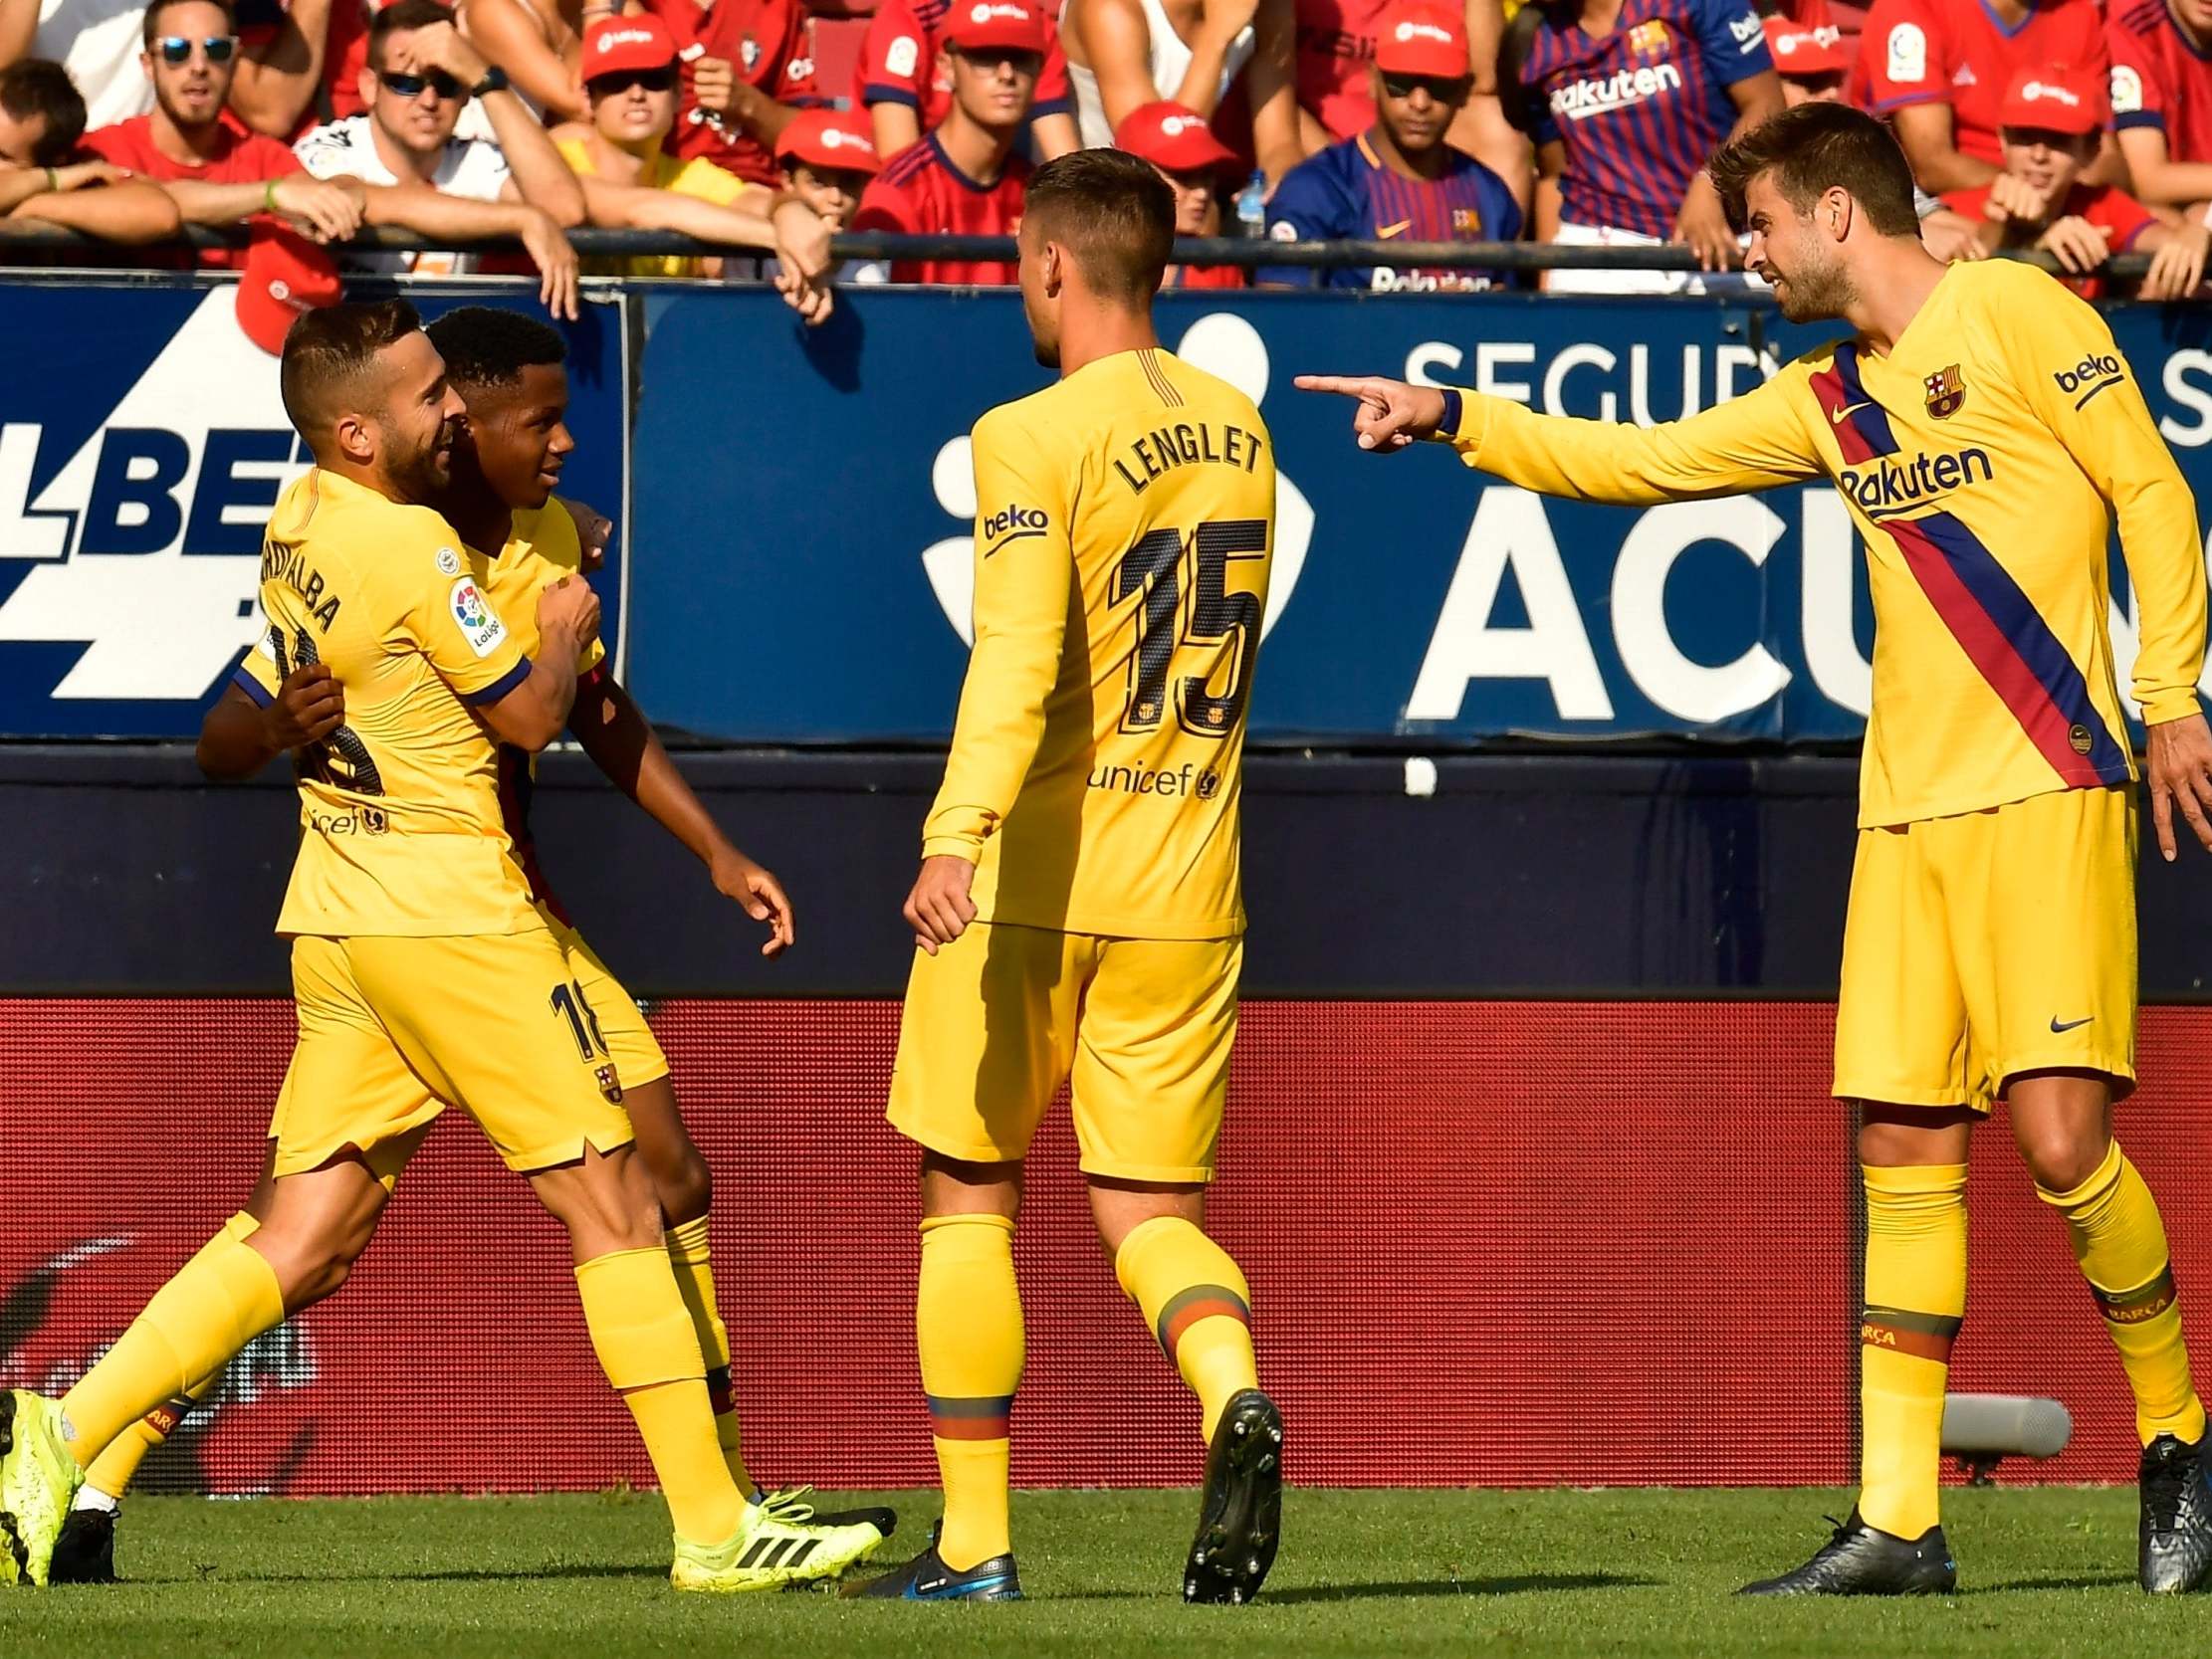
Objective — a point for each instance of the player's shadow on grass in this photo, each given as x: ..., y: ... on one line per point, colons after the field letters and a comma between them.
x: 1516, y: 1584
x: 2077, y: 1581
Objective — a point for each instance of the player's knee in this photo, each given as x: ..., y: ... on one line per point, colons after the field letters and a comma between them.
x: 685, y: 1187
x: 2060, y: 1156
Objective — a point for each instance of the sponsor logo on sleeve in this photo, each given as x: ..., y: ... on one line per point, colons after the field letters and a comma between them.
x: 1009, y: 525
x: 1747, y: 30
x: 1908, y: 53
x: 904, y: 53
x: 480, y: 624
x: 2090, y: 376
x: 2127, y: 90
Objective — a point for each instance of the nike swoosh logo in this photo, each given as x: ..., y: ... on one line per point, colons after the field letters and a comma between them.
x: 2070, y: 1024
x: 1384, y: 233
x: 1849, y: 409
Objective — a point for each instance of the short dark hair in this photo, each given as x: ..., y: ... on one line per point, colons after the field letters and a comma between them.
x: 152, y: 29
x: 403, y: 15
x: 488, y: 345
x: 1113, y: 211
x: 1815, y: 148
x: 325, y: 352
x: 40, y: 86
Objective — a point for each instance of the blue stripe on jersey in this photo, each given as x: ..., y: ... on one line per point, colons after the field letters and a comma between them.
x: 1869, y: 416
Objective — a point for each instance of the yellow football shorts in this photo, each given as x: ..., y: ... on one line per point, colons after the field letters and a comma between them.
x: 1140, y: 1029
x: 392, y: 1030
x: 1988, y: 945
x: 629, y: 1040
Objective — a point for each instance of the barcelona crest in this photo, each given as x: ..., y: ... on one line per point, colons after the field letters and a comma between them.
x: 1946, y: 391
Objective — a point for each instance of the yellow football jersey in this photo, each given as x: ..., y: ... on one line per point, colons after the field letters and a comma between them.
x: 401, y: 830
x: 542, y: 547
x: 1124, y: 533
x: 1982, y: 460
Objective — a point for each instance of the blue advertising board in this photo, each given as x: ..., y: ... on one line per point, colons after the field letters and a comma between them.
x: 143, y: 443
x: 802, y: 571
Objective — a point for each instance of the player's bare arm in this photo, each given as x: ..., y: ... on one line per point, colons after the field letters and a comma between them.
x: 612, y: 730
x: 536, y: 712
x: 238, y: 738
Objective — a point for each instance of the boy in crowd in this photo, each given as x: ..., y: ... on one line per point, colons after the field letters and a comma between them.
x: 2052, y: 121
x: 1182, y: 148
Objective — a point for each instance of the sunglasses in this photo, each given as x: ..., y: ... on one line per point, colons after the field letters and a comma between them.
x: 175, y: 49
x: 1443, y: 90
x: 411, y: 86
x: 619, y: 81
x: 992, y: 57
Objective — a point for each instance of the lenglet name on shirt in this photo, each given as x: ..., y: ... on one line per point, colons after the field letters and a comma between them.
x: 1187, y: 445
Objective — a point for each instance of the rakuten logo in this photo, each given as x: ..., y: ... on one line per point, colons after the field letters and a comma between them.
x: 1421, y: 32
x: 2043, y: 91
x: 1585, y: 99
x: 983, y: 14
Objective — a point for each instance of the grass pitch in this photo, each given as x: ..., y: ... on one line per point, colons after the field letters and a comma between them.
x: 1629, y: 1571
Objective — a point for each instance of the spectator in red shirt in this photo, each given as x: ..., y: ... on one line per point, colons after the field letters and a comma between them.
x: 963, y: 178
x: 1182, y: 148
x: 42, y: 175
x: 1811, y: 60
x: 905, y: 79
x: 216, y: 171
x: 1939, y: 68
x: 2162, y: 98
x: 2052, y: 119
x: 747, y: 64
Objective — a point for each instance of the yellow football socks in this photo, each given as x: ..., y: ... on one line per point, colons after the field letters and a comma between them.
x: 2122, y: 1246
x: 650, y: 1352
x: 688, y: 1254
x: 1916, y: 1303
x: 1198, y: 1306
x: 113, y: 1471
x: 219, y: 1300
x: 968, y: 1329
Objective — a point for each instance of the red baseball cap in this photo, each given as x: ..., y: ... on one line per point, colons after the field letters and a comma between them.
x: 2065, y: 97
x: 828, y: 138
x: 285, y: 274
x: 627, y: 43
x: 1168, y: 135
x: 1419, y: 37
x: 1800, y: 50
x: 1008, y: 24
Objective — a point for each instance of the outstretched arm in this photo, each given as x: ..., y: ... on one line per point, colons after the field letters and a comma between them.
x: 610, y: 727
x: 1751, y: 443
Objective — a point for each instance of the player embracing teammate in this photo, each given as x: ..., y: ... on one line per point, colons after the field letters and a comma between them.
x: 1984, y: 430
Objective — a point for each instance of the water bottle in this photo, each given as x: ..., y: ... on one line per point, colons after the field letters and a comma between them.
x: 1251, y: 207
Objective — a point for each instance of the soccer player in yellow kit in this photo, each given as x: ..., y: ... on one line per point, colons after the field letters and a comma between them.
x: 508, y: 370
x: 1078, y: 911
x: 422, y: 971
x: 1983, y: 430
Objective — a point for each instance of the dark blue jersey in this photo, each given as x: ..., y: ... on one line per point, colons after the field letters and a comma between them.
x: 1346, y: 193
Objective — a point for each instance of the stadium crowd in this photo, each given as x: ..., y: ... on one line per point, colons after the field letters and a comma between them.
x: 2081, y: 127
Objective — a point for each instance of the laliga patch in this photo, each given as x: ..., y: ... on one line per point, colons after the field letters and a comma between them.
x: 449, y: 563
x: 1282, y: 230
x: 1909, y: 52
x: 2127, y: 90
x: 480, y: 624
x: 904, y: 53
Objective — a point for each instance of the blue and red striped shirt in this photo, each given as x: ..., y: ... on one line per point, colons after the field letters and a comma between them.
x: 1346, y: 193
x: 1640, y: 109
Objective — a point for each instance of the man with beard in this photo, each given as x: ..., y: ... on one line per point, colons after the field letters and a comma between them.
x: 1984, y: 430
x: 510, y: 370
x: 422, y: 970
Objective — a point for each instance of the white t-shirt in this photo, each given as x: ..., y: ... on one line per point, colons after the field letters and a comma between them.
x: 474, y: 170
x: 99, y: 41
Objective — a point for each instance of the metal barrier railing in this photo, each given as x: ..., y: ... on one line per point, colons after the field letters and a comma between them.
x: 1238, y: 251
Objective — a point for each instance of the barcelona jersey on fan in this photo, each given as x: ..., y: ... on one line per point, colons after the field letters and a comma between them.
x: 1345, y: 192
x: 1983, y: 460
x: 1642, y: 108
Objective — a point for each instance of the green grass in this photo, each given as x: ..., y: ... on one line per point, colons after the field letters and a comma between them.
x: 2047, y: 1571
